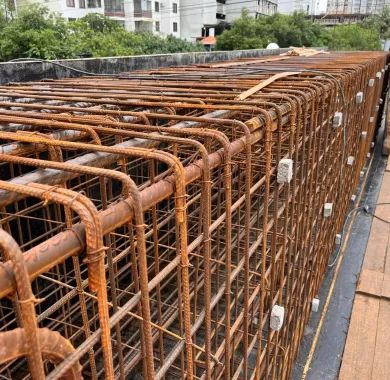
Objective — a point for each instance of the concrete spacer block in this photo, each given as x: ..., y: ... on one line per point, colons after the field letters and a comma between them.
x: 277, y: 317
x: 371, y: 82
x: 337, y: 239
x: 359, y: 97
x: 337, y: 119
x: 315, y: 305
x: 328, y: 208
x: 285, y: 170
x: 350, y: 160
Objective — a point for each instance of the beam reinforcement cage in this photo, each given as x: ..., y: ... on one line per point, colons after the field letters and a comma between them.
x: 175, y: 223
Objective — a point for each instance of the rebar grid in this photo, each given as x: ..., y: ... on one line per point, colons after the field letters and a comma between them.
x: 155, y: 235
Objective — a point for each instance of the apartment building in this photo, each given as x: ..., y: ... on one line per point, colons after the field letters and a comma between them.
x: 356, y: 7
x: 160, y: 16
x: 69, y: 9
x: 255, y: 8
x: 310, y: 7
x: 209, y: 17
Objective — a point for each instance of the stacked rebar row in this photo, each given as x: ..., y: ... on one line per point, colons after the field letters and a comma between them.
x: 176, y: 223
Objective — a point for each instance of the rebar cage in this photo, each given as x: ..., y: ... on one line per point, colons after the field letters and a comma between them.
x: 147, y: 230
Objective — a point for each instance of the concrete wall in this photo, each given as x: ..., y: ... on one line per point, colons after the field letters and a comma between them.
x: 27, y: 71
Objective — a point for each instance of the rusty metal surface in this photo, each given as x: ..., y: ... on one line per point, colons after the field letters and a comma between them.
x: 150, y: 236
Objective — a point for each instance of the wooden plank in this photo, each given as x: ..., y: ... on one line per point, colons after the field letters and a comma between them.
x: 386, y: 287
x: 370, y: 282
x: 375, y: 256
x: 359, y: 350
x: 381, y: 365
x: 265, y: 83
x: 378, y: 243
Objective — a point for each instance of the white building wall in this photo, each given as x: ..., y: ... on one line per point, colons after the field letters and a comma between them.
x: 203, y: 14
x: 311, y: 7
x: 65, y: 8
x: 194, y: 15
x: 356, y: 6
x: 255, y: 8
x: 167, y: 17
x: 135, y: 15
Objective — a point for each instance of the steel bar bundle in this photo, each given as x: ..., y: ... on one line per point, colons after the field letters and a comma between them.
x: 176, y: 223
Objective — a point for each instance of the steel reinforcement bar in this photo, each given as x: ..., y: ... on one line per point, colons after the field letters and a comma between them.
x: 177, y: 223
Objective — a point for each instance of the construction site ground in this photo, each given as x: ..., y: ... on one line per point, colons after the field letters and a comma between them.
x: 348, y: 338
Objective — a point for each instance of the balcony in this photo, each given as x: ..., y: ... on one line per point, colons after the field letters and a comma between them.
x: 143, y: 9
x: 143, y: 13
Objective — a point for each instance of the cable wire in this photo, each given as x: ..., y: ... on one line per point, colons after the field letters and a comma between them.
x: 366, y: 209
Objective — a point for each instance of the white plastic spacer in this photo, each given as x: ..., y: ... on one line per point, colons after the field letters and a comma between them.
x: 372, y: 144
x: 359, y: 97
x: 315, y: 305
x: 368, y: 155
x: 350, y: 160
x: 337, y: 239
x: 379, y: 75
x: 364, y: 135
x: 380, y: 101
x: 328, y: 207
x: 353, y: 197
x: 371, y: 119
x: 361, y: 174
x: 285, y: 170
x: 277, y: 317
x: 337, y: 119
x: 371, y: 82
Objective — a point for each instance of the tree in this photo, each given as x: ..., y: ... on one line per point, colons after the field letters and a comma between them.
x: 250, y: 33
x: 37, y: 33
x: 380, y: 23
x: 353, y: 37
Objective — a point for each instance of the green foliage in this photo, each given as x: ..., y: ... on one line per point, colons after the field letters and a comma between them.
x: 37, y: 33
x: 250, y: 33
x: 34, y: 33
x: 380, y: 23
x: 298, y: 30
x: 353, y: 37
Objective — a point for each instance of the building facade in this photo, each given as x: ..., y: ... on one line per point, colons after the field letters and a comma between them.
x: 310, y: 7
x: 210, y: 17
x: 356, y: 7
x: 160, y: 16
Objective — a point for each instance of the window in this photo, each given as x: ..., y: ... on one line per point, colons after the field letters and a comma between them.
x: 156, y: 6
x: 70, y: 3
x: 81, y: 3
x: 94, y: 3
x: 174, y: 7
x: 175, y: 26
x: 157, y: 26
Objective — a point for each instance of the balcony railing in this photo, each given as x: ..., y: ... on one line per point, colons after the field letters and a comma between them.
x: 143, y: 13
